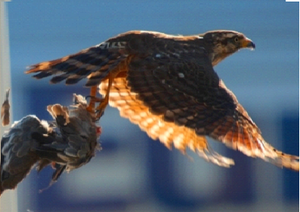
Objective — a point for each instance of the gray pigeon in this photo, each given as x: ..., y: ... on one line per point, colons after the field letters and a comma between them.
x: 67, y: 143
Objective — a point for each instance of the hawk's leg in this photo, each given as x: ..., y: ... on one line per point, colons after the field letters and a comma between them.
x: 91, y: 106
x: 104, y: 102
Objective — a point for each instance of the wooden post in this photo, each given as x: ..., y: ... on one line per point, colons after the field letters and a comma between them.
x: 8, y: 201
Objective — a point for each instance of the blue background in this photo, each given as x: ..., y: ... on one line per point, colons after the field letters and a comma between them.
x: 132, y: 172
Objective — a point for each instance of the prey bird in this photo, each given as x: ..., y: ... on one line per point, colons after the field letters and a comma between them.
x: 67, y: 143
x: 167, y: 85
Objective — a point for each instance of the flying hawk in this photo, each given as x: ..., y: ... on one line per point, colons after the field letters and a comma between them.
x: 167, y: 85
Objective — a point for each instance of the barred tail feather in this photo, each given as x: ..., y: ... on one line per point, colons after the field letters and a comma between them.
x: 94, y: 63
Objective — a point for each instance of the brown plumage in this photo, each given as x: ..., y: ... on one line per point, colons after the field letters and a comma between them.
x: 167, y: 85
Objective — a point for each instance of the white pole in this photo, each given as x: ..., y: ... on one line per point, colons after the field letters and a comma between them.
x: 8, y: 200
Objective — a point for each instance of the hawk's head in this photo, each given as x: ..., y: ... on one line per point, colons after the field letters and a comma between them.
x: 222, y: 43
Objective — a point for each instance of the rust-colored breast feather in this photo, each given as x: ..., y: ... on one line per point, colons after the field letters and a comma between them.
x: 156, y: 127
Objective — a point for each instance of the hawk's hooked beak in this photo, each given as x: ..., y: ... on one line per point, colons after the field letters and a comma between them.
x: 247, y: 43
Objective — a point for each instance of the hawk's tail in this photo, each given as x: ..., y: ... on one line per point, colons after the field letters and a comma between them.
x: 167, y: 132
x: 93, y: 63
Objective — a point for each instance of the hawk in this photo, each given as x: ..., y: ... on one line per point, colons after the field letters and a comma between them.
x: 67, y: 143
x: 167, y: 85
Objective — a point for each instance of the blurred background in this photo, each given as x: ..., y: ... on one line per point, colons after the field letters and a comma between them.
x: 132, y: 172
